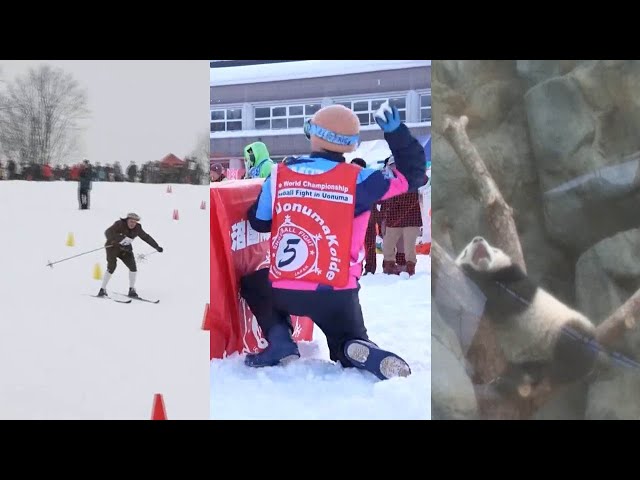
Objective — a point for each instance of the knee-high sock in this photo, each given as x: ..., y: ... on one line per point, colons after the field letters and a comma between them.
x: 105, y: 279
x: 132, y: 279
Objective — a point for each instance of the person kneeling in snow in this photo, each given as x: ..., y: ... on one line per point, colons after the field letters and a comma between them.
x: 120, y: 236
x: 316, y: 255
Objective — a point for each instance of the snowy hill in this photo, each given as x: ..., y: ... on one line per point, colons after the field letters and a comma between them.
x: 397, y: 314
x: 65, y: 355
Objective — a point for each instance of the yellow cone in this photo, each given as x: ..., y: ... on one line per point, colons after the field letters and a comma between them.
x: 97, y: 272
x: 70, y: 240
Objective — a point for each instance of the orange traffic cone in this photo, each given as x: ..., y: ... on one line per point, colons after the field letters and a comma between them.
x: 176, y: 216
x: 206, y: 324
x: 158, y: 412
x: 169, y: 190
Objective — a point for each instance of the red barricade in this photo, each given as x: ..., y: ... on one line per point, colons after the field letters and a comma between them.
x: 236, y: 250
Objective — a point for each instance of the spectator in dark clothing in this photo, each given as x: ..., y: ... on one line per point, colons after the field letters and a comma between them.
x: 370, y: 236
x: 11, y: 168
x: 84, y: 185
x: 402, y: 219
x: 374, y: 228
x: 217, y: 174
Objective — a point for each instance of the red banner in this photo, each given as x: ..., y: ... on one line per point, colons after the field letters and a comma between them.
x: 236, y: 250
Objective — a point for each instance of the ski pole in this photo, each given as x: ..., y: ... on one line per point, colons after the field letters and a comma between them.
x: 51, y: 264
x: 143, y: 256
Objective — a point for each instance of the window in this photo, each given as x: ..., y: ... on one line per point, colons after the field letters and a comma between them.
x: 226, y: 120
x: 425, y: 107
x: 366, y: 109
x: 283, y: 116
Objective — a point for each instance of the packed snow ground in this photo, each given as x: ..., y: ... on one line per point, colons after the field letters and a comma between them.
x: 397, y: 314
x: 65, y: 355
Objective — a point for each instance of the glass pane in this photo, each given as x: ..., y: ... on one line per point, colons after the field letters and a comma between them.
x: 311, y: 109
x: 361, y: 106
x: 345, y: 104
x: 232, y: 126
x: 375, y: 104
x: 403, y: 115
x: 263, y: 124
x: 296, y: 122
x: 279, y: 123
x: 364, y: 118
x: 217, y: 114
x: 398, y: 102
x: 425, y: 101
x: 279, y: 112
x: 296, y: 110
x: 262, y: 112
x: 425, y: 114
x: 234, y: 114
x: 217, y: 126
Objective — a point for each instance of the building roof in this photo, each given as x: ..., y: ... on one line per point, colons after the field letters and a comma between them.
x: 304, y: 69
x: 171, y: 160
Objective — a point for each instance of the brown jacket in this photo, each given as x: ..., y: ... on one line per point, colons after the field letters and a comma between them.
x: 116, y: 232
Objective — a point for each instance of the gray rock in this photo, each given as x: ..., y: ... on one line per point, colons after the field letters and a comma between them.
x: 452, y: 393
x: 606, y: 276
x: 560, y: 122
x: 615, y: 398
x: 578, y: 213
x: 466, y: 75
x: 536, y: 71
x: 489, y: 104
x: 569, y: 404
x: 612, y: 269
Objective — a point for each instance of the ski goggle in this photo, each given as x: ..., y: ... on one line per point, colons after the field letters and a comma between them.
x: 325, y: 134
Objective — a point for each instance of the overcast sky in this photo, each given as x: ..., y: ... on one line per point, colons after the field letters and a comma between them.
x: 140, y: 110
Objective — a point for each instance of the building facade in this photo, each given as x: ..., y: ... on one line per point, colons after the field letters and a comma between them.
x: 269, y: 102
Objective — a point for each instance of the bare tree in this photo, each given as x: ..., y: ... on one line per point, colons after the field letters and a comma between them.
x: 39, y: 115
x: 201, y: 153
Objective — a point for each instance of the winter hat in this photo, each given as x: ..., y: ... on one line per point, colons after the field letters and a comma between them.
x: 217, y: 168
x: 133, y: 216
x: 334, y: 128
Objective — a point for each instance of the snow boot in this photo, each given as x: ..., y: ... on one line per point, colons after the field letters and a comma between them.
x: 102, y: 293
x: 411, y: 268
x: 389, y: 267
x: 132, y: 293
x: 368, y: 356
x: 280, y: 351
